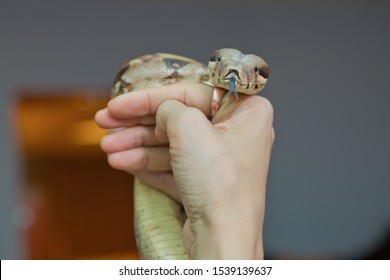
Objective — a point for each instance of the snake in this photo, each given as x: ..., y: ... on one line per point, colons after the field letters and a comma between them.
x: 158, y: 218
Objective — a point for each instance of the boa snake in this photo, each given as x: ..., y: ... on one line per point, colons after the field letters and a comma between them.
x: 158, y: 218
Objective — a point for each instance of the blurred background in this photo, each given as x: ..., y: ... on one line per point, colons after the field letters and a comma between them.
x: 328, y: 194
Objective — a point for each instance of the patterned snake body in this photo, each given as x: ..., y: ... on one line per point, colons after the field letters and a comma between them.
x: 158, y: 218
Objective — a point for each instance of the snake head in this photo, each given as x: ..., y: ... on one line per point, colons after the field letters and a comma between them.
x: 237, y: 72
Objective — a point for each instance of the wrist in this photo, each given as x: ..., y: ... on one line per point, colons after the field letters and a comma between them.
x: 230, y: 225
x: 231, y: 232
x: 234, y: 242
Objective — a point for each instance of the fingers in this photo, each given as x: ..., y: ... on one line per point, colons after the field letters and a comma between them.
x: 136, y: 148
x: 104, y: 119
x: 153, y: 159
x: 130, y: 138
x: 146, y: 102
x: 139, y: 107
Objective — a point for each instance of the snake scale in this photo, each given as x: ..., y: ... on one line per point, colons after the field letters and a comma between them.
x: 158, y: 218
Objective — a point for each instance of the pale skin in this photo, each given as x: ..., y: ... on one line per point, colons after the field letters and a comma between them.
x: 216, y: 168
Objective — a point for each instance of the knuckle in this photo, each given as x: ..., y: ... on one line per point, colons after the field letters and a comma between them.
x: 143, y: 159
x: 191, y: 115
x: 188, y: 117
x: 139, y: 136
x: 265, y: 108
x: 166, y: 105
x: 266, y: 105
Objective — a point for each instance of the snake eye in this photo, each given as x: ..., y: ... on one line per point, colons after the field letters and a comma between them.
x: 263, y: 71
x: 215, y: 57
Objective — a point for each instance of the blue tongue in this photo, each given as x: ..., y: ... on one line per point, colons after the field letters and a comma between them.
x: 232, y: 86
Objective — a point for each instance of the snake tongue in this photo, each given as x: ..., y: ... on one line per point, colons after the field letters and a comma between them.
x: 232, y: 86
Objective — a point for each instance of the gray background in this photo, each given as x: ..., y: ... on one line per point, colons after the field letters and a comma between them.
x: 328, y: 190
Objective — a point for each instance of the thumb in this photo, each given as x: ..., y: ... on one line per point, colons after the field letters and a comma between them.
x: 183, y: 125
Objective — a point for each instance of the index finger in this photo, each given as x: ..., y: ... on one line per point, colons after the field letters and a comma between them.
x: 146, y: 102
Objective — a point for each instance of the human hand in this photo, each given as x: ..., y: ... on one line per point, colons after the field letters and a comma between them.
x: 219, y: 166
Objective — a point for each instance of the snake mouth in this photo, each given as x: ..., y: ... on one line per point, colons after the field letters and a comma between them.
x: 235, y: 85
x: 231, y: 73
x: 232, y: 82
x: 231, y: 79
